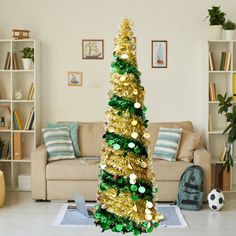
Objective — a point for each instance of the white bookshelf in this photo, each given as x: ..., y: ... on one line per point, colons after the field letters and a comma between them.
x: 9, y: 81
x: 223, y: 80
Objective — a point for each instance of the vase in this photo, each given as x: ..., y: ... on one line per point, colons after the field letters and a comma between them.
x: 215, y: 32
x: 27, y: 62
x: 229, y: 34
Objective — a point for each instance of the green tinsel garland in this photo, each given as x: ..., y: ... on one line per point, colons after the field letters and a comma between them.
x: 124, y: 104
x: 122, y: 66
x: 115, y: 139
x: 119, y: 182
x: 108, y: 220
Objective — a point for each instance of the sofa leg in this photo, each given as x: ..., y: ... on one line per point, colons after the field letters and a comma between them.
x: 40, y: 200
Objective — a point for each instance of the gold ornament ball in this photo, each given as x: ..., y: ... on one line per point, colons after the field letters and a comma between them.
x: 147, y: 211
x: 135, y: 208
x: 134, y: 135
x: 122, y: 78
x: 103, y: 166
x: 149, y: 204
x: 111, y: 129
x: 124, y: 56
x: 143, y: 164
x: 134, y: 122
x: 146, y: 135
x: 148, y: 217
x: 126, y: 84
x: 135, y: 91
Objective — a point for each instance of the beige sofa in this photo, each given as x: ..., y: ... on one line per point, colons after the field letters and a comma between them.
x: 61, y: 179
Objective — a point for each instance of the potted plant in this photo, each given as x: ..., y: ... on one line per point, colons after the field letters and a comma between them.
x: 229, y: 28
x: 1, y: 147
x: 216, y: 20
x: 27, y: 57
x: 224, y: 104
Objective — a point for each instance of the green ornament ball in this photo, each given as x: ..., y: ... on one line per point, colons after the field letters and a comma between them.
x: 120, y: 180
x: 119, y: 228
x: 150, y: 229
x: 134, y: 197
x: 133, y: 188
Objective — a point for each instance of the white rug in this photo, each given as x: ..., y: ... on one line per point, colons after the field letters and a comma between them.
x: 72, y: 218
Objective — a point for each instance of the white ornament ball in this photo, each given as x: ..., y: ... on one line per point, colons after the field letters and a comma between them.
x: 147, y: 211
x: 122, y: 78
x: 215, y: 199
x: 124, y: 56
x: 148, y: 217
x: 134, y: 135
x: 103, y: 166
x: 137, y: 105
x: 133, y: 176
x: 131, y: 145
x: 132, y: 181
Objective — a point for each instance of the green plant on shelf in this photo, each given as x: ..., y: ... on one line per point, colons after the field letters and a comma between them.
x: 229, y: 25
x: 28, y: 52
x: 225, y: 102
x: 216, y: 16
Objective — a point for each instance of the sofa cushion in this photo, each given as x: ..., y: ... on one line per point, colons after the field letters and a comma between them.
x: 153, y: 129
x: 58, y: 143
x: 90, y: 138
x: 72, y: 170
x: 189, y: 142
x: 166, y: 170
x: 167, y: 145
x: 73, y: 126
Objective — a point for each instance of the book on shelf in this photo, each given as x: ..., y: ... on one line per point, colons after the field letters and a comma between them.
x: 222, y: 60
x: 17, y: 120
x: 17, y: 146
x: 31, y: 92
x: 222, y: 156
x: 211, y: 62
x: 15, y: 63
x: 227, y: 61
x: 224, y: 180
x: 29, y: 121
x: 212, y: 91
x: 7, y: 61
x: 234, y: 87
x: 210, y: 122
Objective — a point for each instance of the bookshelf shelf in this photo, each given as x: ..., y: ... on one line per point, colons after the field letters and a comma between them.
x: 221, y: 72
x: 19, y: 142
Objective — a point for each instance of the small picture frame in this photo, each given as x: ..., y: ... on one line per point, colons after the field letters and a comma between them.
x: 93, y: 49
x: 75, y: 78
x: 159, y: 53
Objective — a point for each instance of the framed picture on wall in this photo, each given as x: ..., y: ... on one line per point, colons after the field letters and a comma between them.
x: 75, y: 78
x: 159, y: 53
x: 93, y: 49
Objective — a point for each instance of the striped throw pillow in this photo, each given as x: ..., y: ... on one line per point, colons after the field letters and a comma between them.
x: 58, y: 143
x: 167, y: 144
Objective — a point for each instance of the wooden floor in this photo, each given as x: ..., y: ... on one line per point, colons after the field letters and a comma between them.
x: 20, y: 216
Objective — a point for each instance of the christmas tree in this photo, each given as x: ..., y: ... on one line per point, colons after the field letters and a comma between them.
x: 126, y: 191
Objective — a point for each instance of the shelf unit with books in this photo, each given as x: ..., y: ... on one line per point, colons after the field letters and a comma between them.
x: 23, y: 134
x: 221, y: 73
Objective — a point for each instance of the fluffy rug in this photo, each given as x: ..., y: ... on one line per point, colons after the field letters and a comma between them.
x: 73, y: 218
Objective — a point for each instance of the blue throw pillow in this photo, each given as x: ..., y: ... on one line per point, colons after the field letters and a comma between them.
x: 167, y: 144
x: 73, y: 126
x: 58, y: 143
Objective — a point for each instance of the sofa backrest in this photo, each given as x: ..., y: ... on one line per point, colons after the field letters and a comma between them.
x: 90, y: 135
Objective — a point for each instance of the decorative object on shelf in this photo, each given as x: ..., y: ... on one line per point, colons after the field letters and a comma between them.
x: 17, y: 94
x: 27, y: 57
x: 216, y: 20
x: 5, y: 119
x: 229, y: 28
x: 1, y: 147
x: 93, y: 49
x: 224, y: 104
x: 159, y: 54
x: 126, y: 189
x: 20, y: 34
x: 215, y: 199
x: 75, y: 78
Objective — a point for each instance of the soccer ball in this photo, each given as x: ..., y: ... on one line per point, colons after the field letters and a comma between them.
x: 216, y: 199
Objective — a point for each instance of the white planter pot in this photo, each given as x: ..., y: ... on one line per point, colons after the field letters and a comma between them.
x: 215, y: 32
x: 27, y: 63
x: 229, y: 34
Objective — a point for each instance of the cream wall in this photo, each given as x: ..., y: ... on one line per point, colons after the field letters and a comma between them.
x: 173, y: 94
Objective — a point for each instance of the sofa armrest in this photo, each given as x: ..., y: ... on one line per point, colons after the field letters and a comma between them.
x: 202, y: 158
x: 39, y: 158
